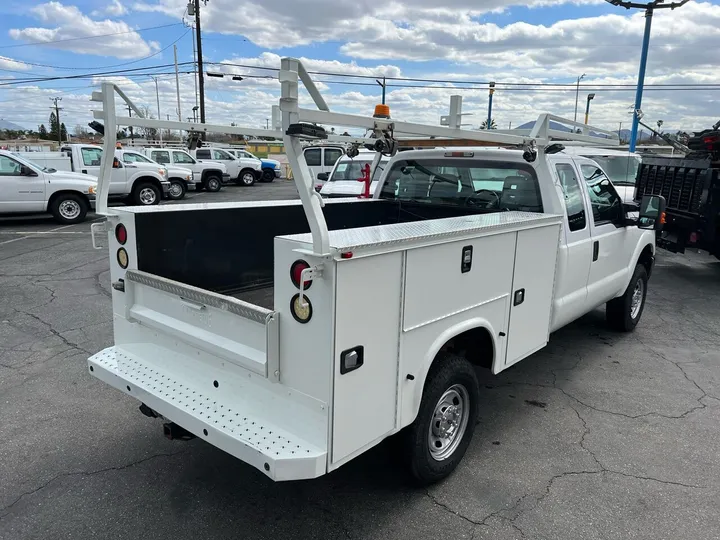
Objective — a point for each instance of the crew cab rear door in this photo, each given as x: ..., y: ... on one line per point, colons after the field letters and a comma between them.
x: 89, y: 163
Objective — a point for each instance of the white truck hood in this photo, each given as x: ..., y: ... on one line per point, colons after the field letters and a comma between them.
x: 211, y: 163
x: 72, y: 177
x: 178, y: 171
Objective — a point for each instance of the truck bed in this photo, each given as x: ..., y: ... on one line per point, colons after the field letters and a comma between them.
x: 262, y: 296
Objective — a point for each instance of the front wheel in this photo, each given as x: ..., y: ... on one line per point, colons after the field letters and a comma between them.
x: 247, y: 178
x: 436, y: 442
x: 146, y: 194
x: 624, y: 313
x: 268, y: 175
x: 177, y: 190
x: 68, y: 208
x: 213, y: 184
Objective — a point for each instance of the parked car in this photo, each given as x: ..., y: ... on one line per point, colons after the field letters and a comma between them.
x: 271, y: 168
x: 131, y: 183
x: 345, y: 178
x: 27, y: 187
x: 243, y: 171
x: 207, y: 175
x: 181, y: 179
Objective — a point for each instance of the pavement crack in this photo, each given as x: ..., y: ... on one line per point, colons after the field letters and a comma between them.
x: 56, y: 333
x: 445, y: 507
x: 83, y: 473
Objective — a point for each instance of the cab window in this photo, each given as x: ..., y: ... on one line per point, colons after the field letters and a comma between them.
x: 574, y: 206
x: 182, y: 157
x: 202, y: 153
x: 605, y: 202
x: 222, y: 155
x: 130, y: 157
x: 312, y: 157
x: 91, y: 156
x: 9, y: 167
x: 160, y: 156
x: 332, y: 155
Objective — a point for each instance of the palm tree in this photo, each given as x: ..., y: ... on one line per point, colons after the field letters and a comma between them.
x: 484, y: 125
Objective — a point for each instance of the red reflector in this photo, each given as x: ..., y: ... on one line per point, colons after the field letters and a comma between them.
x: 693, y: 237
x: 346, y: 255
x: 459, y: 154
x: 121, y: 234
x: 296, y: 273
x: 709, y: 140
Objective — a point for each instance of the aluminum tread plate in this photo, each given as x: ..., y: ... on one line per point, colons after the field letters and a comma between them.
x: 431, y: 229
x: 222, y: 205
x: 274, y: 443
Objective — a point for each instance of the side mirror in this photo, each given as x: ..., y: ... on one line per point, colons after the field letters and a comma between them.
x: 652, y: 212
x: 116, y: 163
x: 323, y: 176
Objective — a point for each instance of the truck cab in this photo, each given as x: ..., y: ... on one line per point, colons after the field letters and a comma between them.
x: 131, y: 182
x: 27, y: 188
x: 207, y: 175
x: 242, y: 170
x: 180, y: 178
x: 620, y: 166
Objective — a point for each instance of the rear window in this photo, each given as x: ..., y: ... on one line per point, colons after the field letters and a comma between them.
x: 352, y: 170
x: 462, y: 182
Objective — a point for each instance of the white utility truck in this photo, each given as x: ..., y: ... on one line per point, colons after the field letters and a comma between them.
x: 27, y: 187
x: 181, y: 179
x: 208, y: 175
x: 342, y: 322
x: 131, y: 183
x: 242, y: 170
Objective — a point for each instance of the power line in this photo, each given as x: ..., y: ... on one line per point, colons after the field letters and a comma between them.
x: 89, y: 37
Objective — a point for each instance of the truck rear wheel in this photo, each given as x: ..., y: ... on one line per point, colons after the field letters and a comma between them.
x: 624, y: 313
x: 146, y: 194
x: 69, y: 208
x: 435, y: 443
x: 213, y: 183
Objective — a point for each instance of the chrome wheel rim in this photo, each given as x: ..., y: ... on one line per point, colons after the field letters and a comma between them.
x: 637, y: 298
x: 69, y: 209
x: 449, y: 422
x: 147, y: 196
x: 248, y: 179
x: 175, y: 189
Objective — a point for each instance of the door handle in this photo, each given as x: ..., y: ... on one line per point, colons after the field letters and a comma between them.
x: 596, y: 250
x: 84, y: 171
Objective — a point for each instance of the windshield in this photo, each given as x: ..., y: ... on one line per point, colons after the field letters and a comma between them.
x: 26, y: 161
x: 492, y: 185
x: 352, y: 170
x: 622, y: 170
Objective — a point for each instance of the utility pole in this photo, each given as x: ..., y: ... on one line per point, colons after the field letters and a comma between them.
x: 177, y: 86
x: 194, y: 9
x: 383, y: 84
x: 491, y: 92
x: 577, y: 93
x: 132, y: 135
x: 57, y: 108
x: 267, y: 123
x: 649, y: 8
x: 157, y: 97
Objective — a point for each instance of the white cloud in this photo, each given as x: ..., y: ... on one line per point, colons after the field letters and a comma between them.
x: 71, y: 24
x: 115, y: 8
x: 13, y: 65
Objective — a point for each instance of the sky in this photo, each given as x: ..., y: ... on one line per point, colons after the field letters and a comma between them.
x: 459, y: 41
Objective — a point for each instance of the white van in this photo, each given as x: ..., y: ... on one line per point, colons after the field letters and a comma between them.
x: 345, y: 178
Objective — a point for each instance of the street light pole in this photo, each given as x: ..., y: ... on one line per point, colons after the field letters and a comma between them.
x: 490, y: 97
x: 649, y: 8
x: 587, y: 108
x: 157, y: 98
x: 201, y: 78
x: 577, y: 93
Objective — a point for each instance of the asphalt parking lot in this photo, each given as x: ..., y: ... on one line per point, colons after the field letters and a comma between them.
x: 600, y: 435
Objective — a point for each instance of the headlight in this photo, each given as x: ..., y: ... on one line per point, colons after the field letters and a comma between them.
x: 162, y: 172
x: 189, y: 177
x: 277, y: 166
x: 91, y: 190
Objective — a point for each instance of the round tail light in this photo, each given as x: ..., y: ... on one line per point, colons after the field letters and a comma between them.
x: 121, y: 234
x: 301, y: 311
x: 296, y: 273
x: 122, y: 258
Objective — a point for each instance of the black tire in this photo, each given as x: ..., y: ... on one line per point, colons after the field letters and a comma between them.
x: 246, y: 178
x: 146, y: 194
x: 268, y: 175
x: 69, y: 208
x: 620, y: 312
x: 212, y: 183
x: 178, y: 189
x: 449, y: 371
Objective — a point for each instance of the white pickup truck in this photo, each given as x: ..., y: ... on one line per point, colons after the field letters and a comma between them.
x: 27, y: 187
x: 208, y: 175
x: 133, y: 183
x: 298, y: 348
x: 242, y: 170
x: 180, y: 178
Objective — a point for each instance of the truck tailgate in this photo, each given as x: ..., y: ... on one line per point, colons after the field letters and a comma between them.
x: 241, y: 333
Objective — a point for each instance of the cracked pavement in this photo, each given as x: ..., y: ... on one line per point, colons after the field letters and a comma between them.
x: 600, y: 435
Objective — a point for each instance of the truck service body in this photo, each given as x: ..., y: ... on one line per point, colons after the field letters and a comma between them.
x: 345, y: 321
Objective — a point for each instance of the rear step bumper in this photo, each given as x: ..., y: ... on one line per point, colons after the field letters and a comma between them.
x: 276, y: 452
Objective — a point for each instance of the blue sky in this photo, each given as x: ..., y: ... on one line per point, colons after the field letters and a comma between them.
x: 553, y: 42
